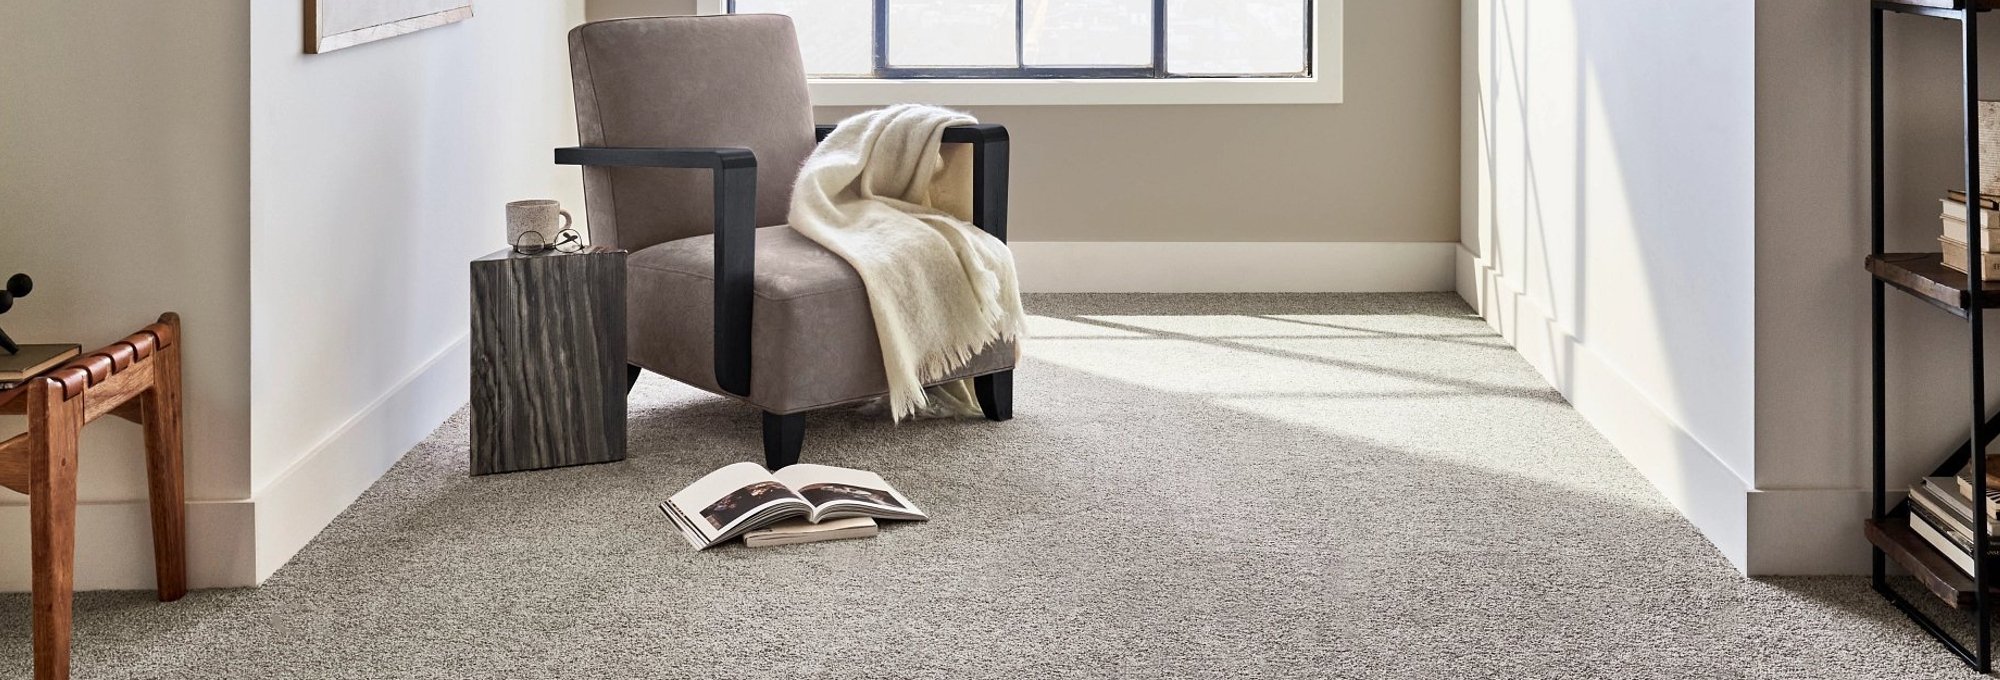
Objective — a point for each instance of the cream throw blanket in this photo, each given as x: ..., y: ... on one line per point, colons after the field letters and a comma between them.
x: 883, y: 193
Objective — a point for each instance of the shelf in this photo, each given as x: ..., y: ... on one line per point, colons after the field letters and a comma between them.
x: 1925, y: 276
x: 1941, y: 8
x: 1935, y: 571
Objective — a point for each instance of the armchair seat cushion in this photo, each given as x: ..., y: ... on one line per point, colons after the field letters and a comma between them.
x: 813, y: 341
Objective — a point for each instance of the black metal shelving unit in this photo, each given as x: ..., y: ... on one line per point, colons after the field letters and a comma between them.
x: 1924, y: 276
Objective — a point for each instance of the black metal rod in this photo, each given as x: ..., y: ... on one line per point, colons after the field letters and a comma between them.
x: 1879, y: 451
x: 1937, y: 632
x: 1975, y: 316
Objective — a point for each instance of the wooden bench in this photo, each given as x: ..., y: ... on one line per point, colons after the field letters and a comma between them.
x: 138, y: 379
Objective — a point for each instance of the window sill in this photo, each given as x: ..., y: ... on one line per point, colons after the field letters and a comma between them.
x: 1102, y: 92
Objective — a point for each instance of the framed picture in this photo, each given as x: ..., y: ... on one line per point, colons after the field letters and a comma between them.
x: 334, y: 24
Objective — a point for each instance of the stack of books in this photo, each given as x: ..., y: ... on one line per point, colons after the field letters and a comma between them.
x: 1957, y: 254
x: 1941, y: 512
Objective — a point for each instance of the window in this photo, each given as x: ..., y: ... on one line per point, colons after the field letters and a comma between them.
x: 913, y: 39
x: 979, y: 52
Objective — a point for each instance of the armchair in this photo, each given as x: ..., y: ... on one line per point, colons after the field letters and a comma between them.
x: 677, y: 117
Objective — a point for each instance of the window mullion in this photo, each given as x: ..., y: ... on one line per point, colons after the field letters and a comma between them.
x: 1020, y: 36
x: 881, y: 37
x: 1159, y: 38
x: 1312, y: 29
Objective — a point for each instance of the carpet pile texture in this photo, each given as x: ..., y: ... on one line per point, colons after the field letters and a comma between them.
x: 1202, y: 486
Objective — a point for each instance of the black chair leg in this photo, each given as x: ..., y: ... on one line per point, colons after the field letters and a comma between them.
x: 631, y: 377
x: 996, y: 395
x: 784, y: 436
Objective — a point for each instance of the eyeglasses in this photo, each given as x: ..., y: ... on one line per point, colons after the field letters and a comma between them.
x: 532, y: 243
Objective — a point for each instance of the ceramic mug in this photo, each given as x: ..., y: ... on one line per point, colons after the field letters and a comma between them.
x: 544, y: 217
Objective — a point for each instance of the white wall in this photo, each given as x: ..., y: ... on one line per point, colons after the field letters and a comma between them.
x: 1612, y: 237
x: 377, y: 173
x: 1606, y: 234
x: 124, y: 185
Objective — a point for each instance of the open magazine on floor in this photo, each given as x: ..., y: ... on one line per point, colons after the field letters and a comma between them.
x: 745, y: 496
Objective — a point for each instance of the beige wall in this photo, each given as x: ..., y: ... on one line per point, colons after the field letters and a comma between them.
x: 124, y: 184
x: 1383, y: 166
x: 1813, y: 396
x: 310, y: 216
x: 612, y: 9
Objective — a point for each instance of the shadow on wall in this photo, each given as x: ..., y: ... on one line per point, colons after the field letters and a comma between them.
x: 1620, y: 157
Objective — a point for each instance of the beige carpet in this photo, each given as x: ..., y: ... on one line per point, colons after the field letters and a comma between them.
x: 1223, y: 486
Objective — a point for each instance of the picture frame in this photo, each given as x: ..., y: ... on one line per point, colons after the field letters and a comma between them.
x: 337, y: 24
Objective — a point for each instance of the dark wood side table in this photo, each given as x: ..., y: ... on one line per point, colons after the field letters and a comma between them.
x: 548, y: 360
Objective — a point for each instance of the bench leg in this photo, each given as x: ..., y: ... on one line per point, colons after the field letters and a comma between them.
x: 165, y: 486
x: 53, y: 424
x: 784, y: 437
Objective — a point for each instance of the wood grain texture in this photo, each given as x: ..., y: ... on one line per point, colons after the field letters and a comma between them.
x: 1925, y: 276
x: 14, y: 463
x: 166, y: 492
x: 1936, y: 572
x: 548, y: 361
x: 137, y: 377
x: 54, y: 424
x: 118, y: 389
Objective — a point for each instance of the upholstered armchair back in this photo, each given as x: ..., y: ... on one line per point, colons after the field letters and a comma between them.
x: 718, y: 81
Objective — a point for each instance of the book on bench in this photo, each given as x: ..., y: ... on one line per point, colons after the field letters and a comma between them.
x: 741, y: 497
x: 33, y: 360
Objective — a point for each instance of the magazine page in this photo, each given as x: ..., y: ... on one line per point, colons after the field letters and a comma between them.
x: 845, y: 492
x: 729, y: 501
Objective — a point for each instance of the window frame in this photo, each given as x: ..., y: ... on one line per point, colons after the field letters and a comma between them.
x: 1044, y: 86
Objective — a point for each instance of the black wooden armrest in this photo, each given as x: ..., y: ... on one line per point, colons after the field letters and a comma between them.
x: 977, y: 133
x: 735, y: 171
x: 713, y: 158
x: 957, y: 134
x: 990, y: 164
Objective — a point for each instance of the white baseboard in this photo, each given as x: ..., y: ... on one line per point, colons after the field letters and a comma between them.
x: 1466, y: 275
x: 1233, y: 267
x: 1764, y: 532
x: 1705, y: 490
x: 240, y: 543
x: 293, y: 508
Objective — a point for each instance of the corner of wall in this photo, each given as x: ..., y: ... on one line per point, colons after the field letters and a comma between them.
x: 330, y: 475
x: 1692, y: 477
